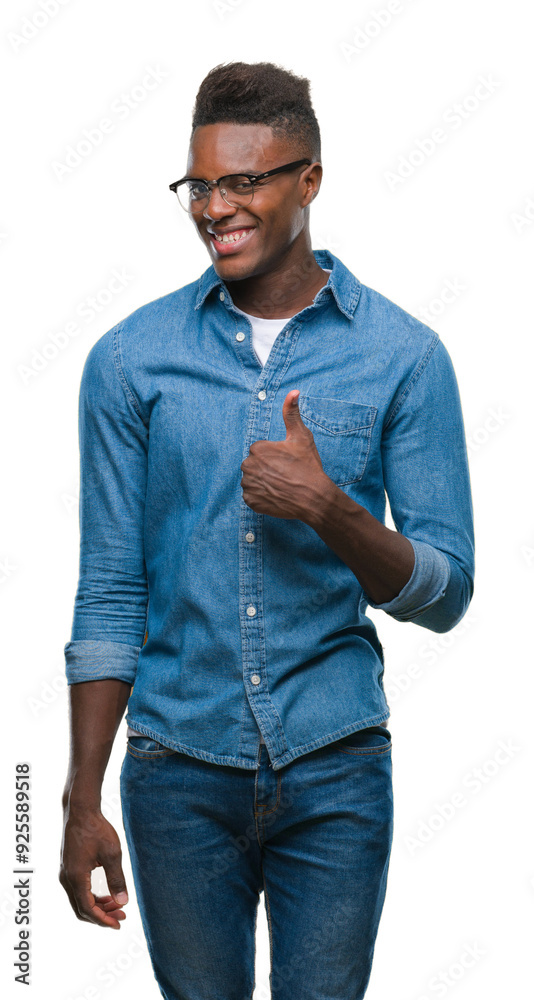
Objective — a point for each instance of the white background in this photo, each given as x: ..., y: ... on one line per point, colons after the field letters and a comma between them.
x: 461, y: 219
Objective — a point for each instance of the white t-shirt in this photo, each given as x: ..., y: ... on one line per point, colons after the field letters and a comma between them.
x: 264, y: 334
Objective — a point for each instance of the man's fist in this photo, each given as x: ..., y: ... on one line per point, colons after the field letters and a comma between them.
x: 282, y: 478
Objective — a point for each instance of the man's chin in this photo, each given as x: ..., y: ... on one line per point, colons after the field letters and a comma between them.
x: 234, y: 268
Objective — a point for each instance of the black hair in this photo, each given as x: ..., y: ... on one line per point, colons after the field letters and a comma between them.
x: 260, y: 93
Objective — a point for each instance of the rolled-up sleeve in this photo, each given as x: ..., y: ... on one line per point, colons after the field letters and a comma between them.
x: 427, y: 482
x: 110, y: 605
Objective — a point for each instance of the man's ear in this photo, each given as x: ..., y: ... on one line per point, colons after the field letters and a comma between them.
x: 319, y: 171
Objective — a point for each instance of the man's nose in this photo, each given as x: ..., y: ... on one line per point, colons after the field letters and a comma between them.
x: 217, y: 207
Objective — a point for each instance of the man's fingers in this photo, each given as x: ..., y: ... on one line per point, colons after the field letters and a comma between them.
x: 85, y: 905
x: 108, y: 904
x: 72, y: 899
x: 90, y: 841
x: 292, y: 419
x: 115, y: 876
x: 79, y: 889
x: 110, y: 908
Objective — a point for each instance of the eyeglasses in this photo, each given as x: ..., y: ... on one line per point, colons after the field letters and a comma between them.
x: 194, y: 193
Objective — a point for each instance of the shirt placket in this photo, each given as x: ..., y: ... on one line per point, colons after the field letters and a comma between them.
x: 258, y: 709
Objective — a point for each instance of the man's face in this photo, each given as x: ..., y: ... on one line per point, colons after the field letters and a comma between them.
x: 277, y: 212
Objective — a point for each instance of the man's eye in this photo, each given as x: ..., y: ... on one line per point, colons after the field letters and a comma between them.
x: 238, y: 184
x: 197, y: 190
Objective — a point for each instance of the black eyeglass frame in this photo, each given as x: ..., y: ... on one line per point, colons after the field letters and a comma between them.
x: 253, y: 178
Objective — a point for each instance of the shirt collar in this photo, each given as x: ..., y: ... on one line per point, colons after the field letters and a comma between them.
x: 342, y: 284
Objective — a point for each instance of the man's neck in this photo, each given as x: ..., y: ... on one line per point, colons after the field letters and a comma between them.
x: 283, y: 291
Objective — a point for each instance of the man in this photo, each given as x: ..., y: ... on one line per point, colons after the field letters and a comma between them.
x: 238, y: 438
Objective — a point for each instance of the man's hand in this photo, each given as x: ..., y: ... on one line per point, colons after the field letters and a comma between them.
x: 282, y: 478
x: 286, y: 479
x: 89, y: 841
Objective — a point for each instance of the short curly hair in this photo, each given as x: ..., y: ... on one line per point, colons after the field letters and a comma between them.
x: 260, y: 93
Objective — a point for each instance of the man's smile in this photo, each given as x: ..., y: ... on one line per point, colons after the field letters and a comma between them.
x: 231, y: 239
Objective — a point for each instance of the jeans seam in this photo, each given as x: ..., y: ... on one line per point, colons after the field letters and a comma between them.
x: 268, y: 911
x: 255, y: 811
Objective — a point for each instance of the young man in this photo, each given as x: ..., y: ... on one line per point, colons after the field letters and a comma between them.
x: 238, y: 438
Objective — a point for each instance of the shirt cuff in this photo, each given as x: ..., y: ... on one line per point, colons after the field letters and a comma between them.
x: 425, y: 587
x: 93, y: 660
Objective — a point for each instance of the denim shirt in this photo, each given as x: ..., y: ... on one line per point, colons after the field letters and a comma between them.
x: 228, y: 623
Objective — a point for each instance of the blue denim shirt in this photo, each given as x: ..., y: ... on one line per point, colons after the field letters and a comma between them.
x: 251, y: 622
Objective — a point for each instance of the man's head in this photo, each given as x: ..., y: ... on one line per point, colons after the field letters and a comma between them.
x: 251, y: 118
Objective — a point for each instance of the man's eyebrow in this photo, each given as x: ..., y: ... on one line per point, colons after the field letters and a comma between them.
x: 229, y: 173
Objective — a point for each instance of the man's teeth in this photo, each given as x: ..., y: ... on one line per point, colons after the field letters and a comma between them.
x: 231, y: 237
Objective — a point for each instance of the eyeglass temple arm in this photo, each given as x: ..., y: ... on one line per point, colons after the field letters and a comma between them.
x: 278, y: 170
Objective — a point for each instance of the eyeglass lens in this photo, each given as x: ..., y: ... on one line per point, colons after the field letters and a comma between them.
x: 236, y: 189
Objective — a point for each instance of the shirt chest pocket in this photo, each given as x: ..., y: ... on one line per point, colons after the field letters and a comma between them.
x: 342, y: 432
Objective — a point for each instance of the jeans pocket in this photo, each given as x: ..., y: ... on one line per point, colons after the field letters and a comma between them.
x: 371, y: 741
x: 145, y: 746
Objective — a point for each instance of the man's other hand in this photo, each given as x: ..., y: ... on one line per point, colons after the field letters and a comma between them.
x: 89, y: 842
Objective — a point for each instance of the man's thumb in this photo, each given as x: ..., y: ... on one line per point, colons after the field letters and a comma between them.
x: 291, y: 414
x: 116, y: 883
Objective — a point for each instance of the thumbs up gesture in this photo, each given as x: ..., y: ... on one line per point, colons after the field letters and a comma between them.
x: 284, y: 478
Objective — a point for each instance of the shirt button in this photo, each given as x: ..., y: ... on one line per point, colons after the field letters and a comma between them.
x: 251, y: 611
x: 221, y: 296
x: 262, y: 394
x: 240, y: 336
x: 250, y: 536
x: 256, y: 679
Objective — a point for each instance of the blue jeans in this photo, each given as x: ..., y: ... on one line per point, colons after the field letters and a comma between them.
x: 206, y: 839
